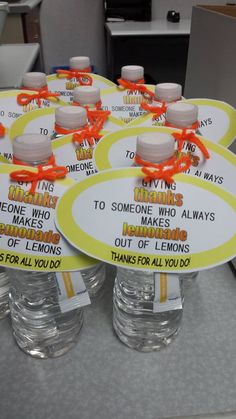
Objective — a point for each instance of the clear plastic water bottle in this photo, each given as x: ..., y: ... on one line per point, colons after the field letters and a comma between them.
x: 69, y: 119
x: 183, y: 115
x: 34, y: 80
x: 135, y: 321
x: 167, y: 92
x: 75, y: 118
x: 81, y: 63
x: 39, y: 326
x: 88, y: 96
x: 133, y: 73
x: 4, y: 292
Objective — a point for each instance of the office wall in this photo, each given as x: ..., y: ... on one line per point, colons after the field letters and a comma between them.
x: 161, y: 7
x: 71, y: 28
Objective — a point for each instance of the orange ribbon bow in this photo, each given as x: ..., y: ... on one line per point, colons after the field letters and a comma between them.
x: 26, y: 98
x: 49, y: 171
x: 98, y: 118
x: 82, y: 77
x: 192, y: 138
x: 84, y: 70
x: 157, y: 110
x: 126, y: 84
x: 97, y: 115
x: 89, y: 134
x: 165, y: 170
x: 64, y: 131
x: 2, y: 130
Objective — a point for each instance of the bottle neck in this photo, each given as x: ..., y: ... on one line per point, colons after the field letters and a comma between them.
x: 47, y: 162
x: 193, y: 126
x: 35, y: 89
x: 64, y: 131
x: 138, y: 161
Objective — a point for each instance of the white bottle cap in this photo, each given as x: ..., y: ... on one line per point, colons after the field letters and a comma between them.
x: 182, y: 114
x: 32, y: 148
x: 132, y: 72
x: 79, y: 63
x: 70, y: 117
x: 86, y: 95
x: 168, y: 92
x: 34, y: 80
x: 155, y: 147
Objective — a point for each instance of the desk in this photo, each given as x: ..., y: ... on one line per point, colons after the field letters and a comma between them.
x: 160, y: 46
x: 23, y: 6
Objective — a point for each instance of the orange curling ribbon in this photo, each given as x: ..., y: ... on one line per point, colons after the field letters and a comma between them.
x: 78, y: 75
x: 165, y: 170
x: 98, y: 117
x: 64, y: 131
x: 192, y: 127
x: 191, y: 138
x: 89, y: 134
x: 26, y: 98
x: 47, y: 171
x: 2, y: 130
x: 84, y: 70
x: 157, y: 110
x: 139, y: 85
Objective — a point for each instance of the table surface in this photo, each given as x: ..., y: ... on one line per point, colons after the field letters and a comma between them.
x: 154, y: 27
x: 101, y: 378
x: 24, y: 55
x: 23, y: 6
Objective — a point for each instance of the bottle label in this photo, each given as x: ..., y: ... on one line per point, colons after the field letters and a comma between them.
x: 29, y: 237
x: 10, y: 110
x: 65, y: 86
x: 72, y: 291
x: 167, y: 293
x: 118, y: 150
x: 120, y: 217
x: 124, y: 104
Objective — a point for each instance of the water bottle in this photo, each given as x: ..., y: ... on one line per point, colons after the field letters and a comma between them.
x: 80, y: 63
x: 133, y: 73
x: 183, y: 115
x: 39, y: 326
x: 87, y: 96
x: 72, y: 119
x: 69, y: 119
x: 34, y: 81
x: 4, y: 291
x: 138, y: 320
x: 167, y: 92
